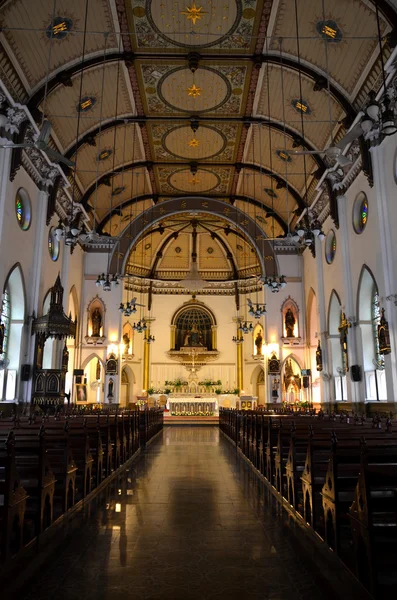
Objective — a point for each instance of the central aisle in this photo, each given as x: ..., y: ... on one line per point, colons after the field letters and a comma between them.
x: 185, y: 522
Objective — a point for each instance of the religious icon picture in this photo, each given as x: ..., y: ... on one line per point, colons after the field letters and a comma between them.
x: 81, y: 392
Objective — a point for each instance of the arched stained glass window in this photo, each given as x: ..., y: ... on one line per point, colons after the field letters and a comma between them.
x: 5, y: 321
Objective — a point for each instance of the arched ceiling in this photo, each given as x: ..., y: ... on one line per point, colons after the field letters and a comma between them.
x: 155, y: 99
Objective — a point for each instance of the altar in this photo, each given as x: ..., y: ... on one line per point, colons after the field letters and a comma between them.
x: 186, y: 404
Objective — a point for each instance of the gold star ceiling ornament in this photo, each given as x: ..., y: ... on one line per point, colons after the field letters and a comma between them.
x: 194, y: 91
x: 193, y: 13
x: 193, y: 143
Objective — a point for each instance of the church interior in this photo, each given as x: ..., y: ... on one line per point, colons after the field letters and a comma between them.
x: 198, y: 320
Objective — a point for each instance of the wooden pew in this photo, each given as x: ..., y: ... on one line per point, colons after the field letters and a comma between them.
x: 373, y: 519
x: 13, y: 498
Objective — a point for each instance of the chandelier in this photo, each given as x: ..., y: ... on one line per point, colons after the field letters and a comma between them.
x: 193, y: 280
x: 73, y: 233
x: 274, y: 283
x: 140, y: 327
x: 256, y: 311
x: 107, y: 281
x: 237, y: 340
x: 306, y: 235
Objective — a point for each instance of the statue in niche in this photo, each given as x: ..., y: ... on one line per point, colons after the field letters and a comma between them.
x: 258, y: 343
x: 193, y: 337
x: 319, y: 357
x: 98, y: 371
x: 110, y: 388
x: 127, y: 341
x: 96, y: 320
x: 289, y: 323
x: 343, y: 330
x: 65, y: 358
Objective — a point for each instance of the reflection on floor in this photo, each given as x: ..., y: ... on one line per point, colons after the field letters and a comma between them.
x: 187, y: 521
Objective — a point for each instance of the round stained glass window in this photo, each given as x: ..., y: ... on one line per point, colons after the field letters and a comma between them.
x: 330, y: 247
x: 23, y: 209
x: 360, y: 212
x: 53, y: 245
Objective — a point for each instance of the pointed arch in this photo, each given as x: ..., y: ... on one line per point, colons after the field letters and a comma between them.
x: 13, y: 313
x: 89, y: 359
x: 73, y: 303
x: 366, y: 287
x: 311, y: 316
x: 334, y: 309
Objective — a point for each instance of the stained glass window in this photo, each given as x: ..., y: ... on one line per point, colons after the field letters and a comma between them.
x: 53, y: 245
x: 330, y: 247
x: 23, y: 209
x: 375, y: 312
x: 5, y: 320
x: 360, y: 212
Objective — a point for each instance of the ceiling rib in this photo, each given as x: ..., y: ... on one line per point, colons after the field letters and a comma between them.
x: 283, y: 224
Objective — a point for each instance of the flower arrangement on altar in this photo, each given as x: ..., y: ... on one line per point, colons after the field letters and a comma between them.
x: 140, y: 403
x: 189, y: 413
x: 210, y: 383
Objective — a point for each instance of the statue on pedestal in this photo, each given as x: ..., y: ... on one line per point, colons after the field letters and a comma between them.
x: 258, y: 343
x: 193, y: 337
x: 96, y: 320
x: 289, y: 323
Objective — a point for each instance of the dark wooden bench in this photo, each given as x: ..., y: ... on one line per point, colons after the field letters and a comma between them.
x: 13, y: 498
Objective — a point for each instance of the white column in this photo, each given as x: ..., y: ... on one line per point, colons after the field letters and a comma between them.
x: 5, y: 160
x: 326, y: 393
x: 388, y: 264
x: 33, y: 283
x: 354, y: 388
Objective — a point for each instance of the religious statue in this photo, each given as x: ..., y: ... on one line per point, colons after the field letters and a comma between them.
x: 319, y: 357
x: 258, y: 343
x: 110, y: 388
x: 384, y: 335
x: 65, y: 358
x: 193, y: 337
x: 98, y: 370
x: 2, y: 332
x: 126, y: 340
x: 96, y: 319
x: 289, y: 323
x: 343, y: 329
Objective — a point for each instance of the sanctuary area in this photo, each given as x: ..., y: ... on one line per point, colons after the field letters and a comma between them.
x: 198, y: 290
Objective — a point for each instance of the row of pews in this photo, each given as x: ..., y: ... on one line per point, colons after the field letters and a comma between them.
x: 338, y: 473
x: 49, y: 464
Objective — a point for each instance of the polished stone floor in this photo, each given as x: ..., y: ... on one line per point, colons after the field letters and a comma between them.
x: 186, y: 521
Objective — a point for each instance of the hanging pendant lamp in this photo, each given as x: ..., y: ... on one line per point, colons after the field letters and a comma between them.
x: 193, y: 280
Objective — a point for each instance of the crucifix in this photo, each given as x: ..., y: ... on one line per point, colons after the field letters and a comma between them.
x: 343, y: 329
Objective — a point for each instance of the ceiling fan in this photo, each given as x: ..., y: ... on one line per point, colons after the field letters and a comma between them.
x: 335, y: 152
x: 42, y: 144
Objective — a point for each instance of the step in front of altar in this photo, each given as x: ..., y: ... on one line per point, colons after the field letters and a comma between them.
x: 190, y: 420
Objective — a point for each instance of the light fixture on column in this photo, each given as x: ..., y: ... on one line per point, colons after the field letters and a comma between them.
x: 245, y: 328
x: 149, y: 339
x: 237, y: 340
x: 107, y: 281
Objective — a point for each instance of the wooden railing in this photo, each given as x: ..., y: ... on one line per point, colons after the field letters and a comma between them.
x: 336, y: 472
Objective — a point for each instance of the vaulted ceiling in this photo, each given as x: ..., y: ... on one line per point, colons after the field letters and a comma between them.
x: 155, y: 99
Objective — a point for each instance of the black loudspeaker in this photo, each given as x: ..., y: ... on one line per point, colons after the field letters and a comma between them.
x: 355, y: 372
x: 305, y: 381
x: 25, y: 372
x: 78, y: 372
